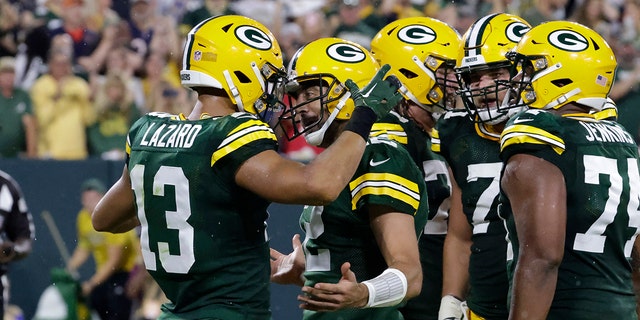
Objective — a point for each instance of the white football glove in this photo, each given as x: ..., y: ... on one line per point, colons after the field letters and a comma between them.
x: 451, y: 308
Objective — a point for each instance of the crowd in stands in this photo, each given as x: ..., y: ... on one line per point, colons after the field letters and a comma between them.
x: 75, y: 74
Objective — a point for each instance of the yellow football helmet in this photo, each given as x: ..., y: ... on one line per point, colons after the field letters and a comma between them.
x: 237, y: 54
x: 483, y: 49
x: 559, y: 62
x: 416, y: 48
x: 327, y: 63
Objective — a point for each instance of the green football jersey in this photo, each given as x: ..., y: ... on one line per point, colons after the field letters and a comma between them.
x: 599, y: 161
x: 340, y: 232
x: 203, y: 237
x: 434, y: 168
x: 473, y: 155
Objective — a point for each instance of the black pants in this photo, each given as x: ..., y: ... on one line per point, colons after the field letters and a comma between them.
x: 109, y: 299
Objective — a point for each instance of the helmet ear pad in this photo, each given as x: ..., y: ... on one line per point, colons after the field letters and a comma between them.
x: 233, y: 53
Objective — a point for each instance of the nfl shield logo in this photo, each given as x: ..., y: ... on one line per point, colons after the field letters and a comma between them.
x: 197, y: 55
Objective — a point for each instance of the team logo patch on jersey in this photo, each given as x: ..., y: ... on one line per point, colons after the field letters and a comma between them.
x: 197, y: 55
x: 568, y: 40
x: 253, y: 37
x: 516, y: 30
x: 417, y: 34
x: 344, y: 52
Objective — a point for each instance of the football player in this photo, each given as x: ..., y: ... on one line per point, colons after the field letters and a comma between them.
x: 571, y: 184
x: 422, y: 53
x: 199, y: 185
x: 370, y: 232
x: 475, y: 249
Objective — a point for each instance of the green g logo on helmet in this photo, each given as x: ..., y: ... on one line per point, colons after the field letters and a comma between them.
x: 344, y: 52
x: 417, y: 34
x: 568, y: 40
x: 516, y: 30
x: 253, y: 37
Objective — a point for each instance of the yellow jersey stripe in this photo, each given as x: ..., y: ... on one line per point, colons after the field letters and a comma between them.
x: 385, y: 184
x: 241, y: 138
x: 391, y: 131
x: 435, y: 140
x: 527, y: 134
x: 247, y: 124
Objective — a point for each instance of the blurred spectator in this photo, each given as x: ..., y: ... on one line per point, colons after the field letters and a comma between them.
x: 116, y: 112
x: 165, y: 97
x: 17, y: 231
x: 141, y: 23
x: 458, y: 15
x: 114, y: 256
x: 62, y: 109
x: 174, y: 8
x: 18, y: 134
x: 626, y: 88
x: 630, y: 21
x: 290, y: 40
x: 121, y: 61
x: 208, y: 9
x: 404, y: 9
x: 167, y: 42
x: 9, y: 28
x: 157, y: 71
x: 350, y: 24
x: 73, y: 23
x: 101, y: 15
x: 33, y: 45
x: 314, y: 26
x: 544, y: 10
x: 597, y: 15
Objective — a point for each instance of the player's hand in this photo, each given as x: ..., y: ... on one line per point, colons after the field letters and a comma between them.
x: 347, y: 293
x: 379, y: 95
x: 451, y: 308
x: 288, y: 269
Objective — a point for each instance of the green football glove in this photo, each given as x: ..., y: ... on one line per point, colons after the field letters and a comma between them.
x: 378, y: 95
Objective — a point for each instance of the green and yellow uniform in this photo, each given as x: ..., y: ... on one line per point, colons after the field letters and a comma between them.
x: 434, y: 168
x: 472, y: 152
x: 203, y: 237
x: 599, y: 161
x: 340, y: 232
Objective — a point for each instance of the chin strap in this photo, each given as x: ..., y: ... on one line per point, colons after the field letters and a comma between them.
x: 315, y: 138
x: 235, y: 93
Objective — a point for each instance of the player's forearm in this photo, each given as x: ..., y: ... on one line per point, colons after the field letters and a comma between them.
x: 116, y: 211
x: 455, y: 276
x: 334, y: 167
x: 534, y: 285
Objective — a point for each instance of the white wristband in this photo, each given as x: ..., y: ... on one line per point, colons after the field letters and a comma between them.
x: 387, y: 289
x: 450, y: 308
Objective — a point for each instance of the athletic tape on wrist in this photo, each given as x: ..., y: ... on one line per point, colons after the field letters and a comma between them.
x: 387, y: 289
